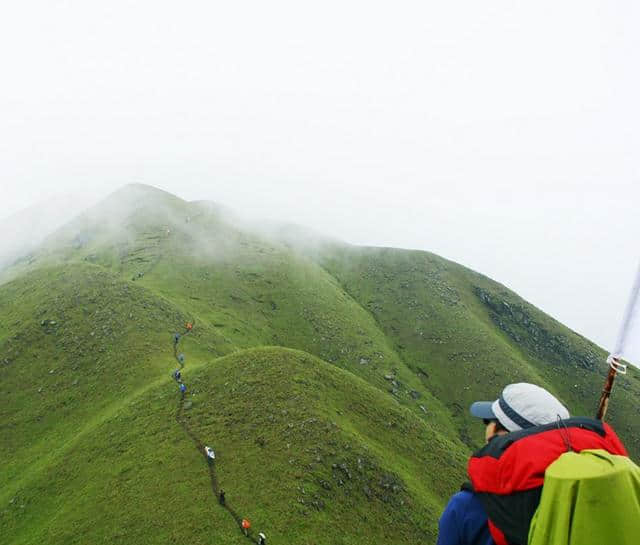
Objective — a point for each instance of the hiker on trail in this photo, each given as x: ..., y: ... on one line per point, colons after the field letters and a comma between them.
x: 221, y: 498
x: 262, y: 540
x: 177, y: 376
x: 176, y: 338
x: 183, y: 389
x: 527, y: 429
x: 210, y: 454
x: 181, y: 358
x: 245, y: 526
x: 189, y: 326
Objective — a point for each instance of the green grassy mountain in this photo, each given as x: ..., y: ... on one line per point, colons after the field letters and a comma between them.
x: 332, y: 380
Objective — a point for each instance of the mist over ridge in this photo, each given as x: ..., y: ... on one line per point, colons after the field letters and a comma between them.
x: 277, y: 250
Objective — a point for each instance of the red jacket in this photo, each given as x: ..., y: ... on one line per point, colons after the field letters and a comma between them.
x: 507, y: 474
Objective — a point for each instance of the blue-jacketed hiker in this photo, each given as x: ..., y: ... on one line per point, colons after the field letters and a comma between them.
x: 183, y: 388
x: 464, y: 520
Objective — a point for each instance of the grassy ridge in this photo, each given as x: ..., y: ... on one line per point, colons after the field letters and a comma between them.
x: 356, y: 432
x: 83, y: 340
x: 452, y: 326
x: 310, y: 453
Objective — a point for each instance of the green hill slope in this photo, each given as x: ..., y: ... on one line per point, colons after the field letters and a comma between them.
x: 308, y: 452
x: 357, y: 431
x: 454, y: 327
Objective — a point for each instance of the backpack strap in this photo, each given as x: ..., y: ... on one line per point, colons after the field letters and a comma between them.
x: 466, y: 487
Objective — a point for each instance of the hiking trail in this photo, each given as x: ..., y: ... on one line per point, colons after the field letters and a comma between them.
x: 215, y: 488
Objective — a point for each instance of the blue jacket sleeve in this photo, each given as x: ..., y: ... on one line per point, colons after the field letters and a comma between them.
x: 449, y: 525
x: 464, y: 522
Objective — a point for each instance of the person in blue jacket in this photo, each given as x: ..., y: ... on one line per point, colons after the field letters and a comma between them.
x: 183, y: 388
x: 464, y: 520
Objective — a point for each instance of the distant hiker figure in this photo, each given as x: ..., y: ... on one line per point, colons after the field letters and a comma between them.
x: 245, y: 526
x: 176, y: 338
x: 262, y: 539
x: 177, y: 375
x: 221, y: 497
x: 181, y: 358
x: 210, y: 454
x: 183, y: 389
x: 189, y: 326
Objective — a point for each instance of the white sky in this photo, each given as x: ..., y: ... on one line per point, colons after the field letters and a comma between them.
x: 503, y: 134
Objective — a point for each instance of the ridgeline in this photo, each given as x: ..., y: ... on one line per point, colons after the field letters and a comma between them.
x: 332, y: 381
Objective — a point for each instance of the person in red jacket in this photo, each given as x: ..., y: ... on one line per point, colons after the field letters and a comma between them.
x: 464, y: 520
x: 507, y: 474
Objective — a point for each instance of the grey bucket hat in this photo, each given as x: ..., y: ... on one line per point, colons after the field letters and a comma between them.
x: 521, y: 405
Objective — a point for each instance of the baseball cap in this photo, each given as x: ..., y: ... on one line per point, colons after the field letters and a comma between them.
x: 521, y: 405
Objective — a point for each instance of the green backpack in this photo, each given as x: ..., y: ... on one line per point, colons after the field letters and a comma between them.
x: 588, y: 498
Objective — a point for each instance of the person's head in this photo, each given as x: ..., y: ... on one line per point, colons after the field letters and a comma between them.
x: 520, y: 406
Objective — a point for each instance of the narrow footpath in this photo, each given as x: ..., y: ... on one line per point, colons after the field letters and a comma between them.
x: 211, y: 463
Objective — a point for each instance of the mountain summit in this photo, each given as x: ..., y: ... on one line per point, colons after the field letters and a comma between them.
x: 332, y: 381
